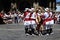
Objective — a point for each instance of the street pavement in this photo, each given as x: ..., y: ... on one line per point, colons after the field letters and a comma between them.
x: 16, y: 32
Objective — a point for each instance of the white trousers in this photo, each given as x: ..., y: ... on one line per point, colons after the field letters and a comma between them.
x: 50, y: 22
x: 27, y: 23
x: 33, y: 23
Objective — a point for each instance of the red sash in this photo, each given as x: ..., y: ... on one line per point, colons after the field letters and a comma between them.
x: 47, y: 19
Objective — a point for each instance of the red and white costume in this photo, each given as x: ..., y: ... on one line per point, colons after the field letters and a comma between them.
x: 48, y: 18
x: 33, y: 18
x: 26, y: 18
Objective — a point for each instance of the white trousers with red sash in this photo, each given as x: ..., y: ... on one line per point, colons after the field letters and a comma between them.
x: 48, y: 23
x: 27, y: 23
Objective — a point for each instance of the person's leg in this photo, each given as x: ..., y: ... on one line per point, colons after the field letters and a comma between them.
x: 26, y: 29
x: 50, y: 30
x: 51, y: 25
x: 34, y: 31
x: 44, y: 32
x: 38, y: 28
x: 30, y: 30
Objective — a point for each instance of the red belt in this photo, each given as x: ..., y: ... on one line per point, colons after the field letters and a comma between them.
x: 32, y: 19
x: 48, y: 19
x: 26, y: 19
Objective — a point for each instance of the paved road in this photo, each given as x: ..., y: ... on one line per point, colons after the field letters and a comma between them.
x: 16, y: 32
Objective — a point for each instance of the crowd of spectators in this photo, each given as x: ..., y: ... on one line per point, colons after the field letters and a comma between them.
x: 11, y: 17
x: 14, y: 16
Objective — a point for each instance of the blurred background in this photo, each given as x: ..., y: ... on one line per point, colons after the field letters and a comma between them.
x: 9, y: 9
x: 22, y: 4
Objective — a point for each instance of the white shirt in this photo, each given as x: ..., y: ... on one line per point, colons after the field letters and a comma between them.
x: 47, y: 15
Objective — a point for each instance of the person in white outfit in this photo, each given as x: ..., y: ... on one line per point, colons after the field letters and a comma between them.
x: 26, y: 17
x: 48, y: 21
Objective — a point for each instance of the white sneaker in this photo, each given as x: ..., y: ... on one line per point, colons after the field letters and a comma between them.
x: 27, y: 34
x: 33, y: 35
x: 40, y: 34
x: 47, y: 34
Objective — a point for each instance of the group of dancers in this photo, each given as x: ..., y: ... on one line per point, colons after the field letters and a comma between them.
x: 37, y: 21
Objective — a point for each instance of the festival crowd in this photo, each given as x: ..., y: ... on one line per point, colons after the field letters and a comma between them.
x: 35, y: 20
